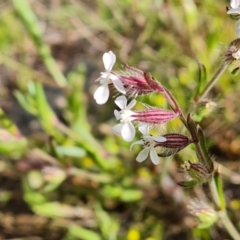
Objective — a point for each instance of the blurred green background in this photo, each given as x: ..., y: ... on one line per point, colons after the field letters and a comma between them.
x: 63, y: 173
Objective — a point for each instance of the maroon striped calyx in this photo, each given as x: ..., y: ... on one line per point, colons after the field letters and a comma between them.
x: 175, y: 140
x: 173, y: 144
x: 155, y: 116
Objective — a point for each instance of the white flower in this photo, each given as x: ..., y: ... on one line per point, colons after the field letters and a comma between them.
x: 149, y: 143
x: 101, y: 95
x: 234, y: 10
x: 125, y: 127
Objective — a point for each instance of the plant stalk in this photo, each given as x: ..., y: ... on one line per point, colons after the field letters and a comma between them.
x: 228, y: 225
x: 212, y: 82
x: 223, y: 214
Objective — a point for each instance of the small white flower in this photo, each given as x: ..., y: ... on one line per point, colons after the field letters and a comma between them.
x: 234, y: 10
x: 101, y: 95
x: 149, y: 143
x: 125, y: 127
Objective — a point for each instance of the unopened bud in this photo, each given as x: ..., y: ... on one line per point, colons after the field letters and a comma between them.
x: 205, y: 214
x: 232, y: 53
x: 196, y: 172
x: 134, y: 81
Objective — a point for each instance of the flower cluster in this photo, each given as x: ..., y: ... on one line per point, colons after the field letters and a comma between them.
x: 131, y: 83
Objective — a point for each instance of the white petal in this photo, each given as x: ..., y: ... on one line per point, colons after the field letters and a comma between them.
x: 121, y: 102
x: 234, y: 11
x: 128, y: 131
x: 154, y: 157
x: 109, y: 59
x: 117, y: 114
x: 234, y: 3
x: 99, y: 79
x: 143, y: 155
x: 131, y: 104
x: 144, y: 128
x: 117, y: 128
x: 237, y: 28
x: 101, y: 95
x: 118, y: 84
x: 159, y: 139
x: 140, y: 142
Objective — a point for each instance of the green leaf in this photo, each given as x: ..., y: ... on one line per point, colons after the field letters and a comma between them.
x: 108, y: 225
x: 71, y: 151
x: 201, y: 79
x: 131, y: 195
x: 24, y: 103
x: 54, y: 209
x: 77, y: 232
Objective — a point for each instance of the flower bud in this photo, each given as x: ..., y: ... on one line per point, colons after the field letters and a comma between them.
x: 134, y: 81
x: 232, y: 53
x: 204, y: 213
x: 196, y: 172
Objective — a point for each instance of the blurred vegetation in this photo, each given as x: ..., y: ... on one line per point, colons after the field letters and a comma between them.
x: 63, y: 173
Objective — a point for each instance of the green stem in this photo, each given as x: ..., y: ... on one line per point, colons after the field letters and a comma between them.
x: 223, y: 214
x: 228, y: 225
x: 214, y: 193
x: 212, y: 82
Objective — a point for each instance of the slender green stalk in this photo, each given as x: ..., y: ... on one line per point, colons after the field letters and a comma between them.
x: 214, y: 193
x: 212, y: 82
x: 29, y: 19
x: 223, y: 214
x: 228, y: 225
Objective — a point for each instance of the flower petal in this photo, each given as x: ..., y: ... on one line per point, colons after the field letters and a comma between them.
x: 118, y: 84
x: 140, y: 142
x: 117, y: 128
x: 101, y: 95
x: 234, y: 3
x: 154, y: 157
x: 131, y: 104
x: 143, y: 155
x: 234, y: 11
x: 109, y: 59
x: 121, y: 102
x: 128, y: 131
x: 144, y: 128
x: 117, y: 114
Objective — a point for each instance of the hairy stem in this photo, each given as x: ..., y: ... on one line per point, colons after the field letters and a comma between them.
x: 212, y: 82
